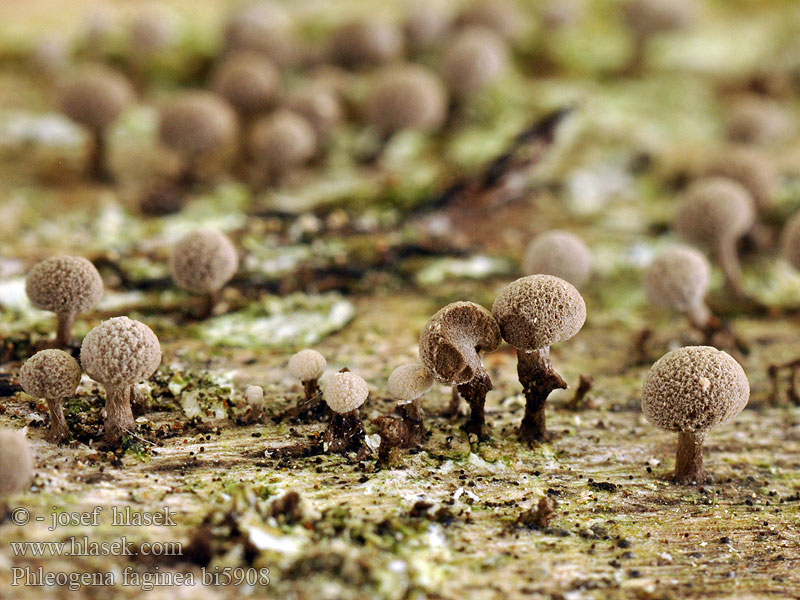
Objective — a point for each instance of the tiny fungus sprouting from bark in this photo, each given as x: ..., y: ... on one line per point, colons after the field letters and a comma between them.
x: 248, y: 80
x: 67, y: 286
x: 366, y: 42
x: 344, y: 394
x: 281, y: 142
x: 678, y: 278
x: 308, y: 366
x: 53, y: 375
x: 691, y: 390
x: 119, y: 353
x: 533, y: 313
x: 473, y: 59
x: 450, y: 347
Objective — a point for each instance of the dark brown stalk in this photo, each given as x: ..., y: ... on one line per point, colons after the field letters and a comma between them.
x: 689, y: 458
x: 119, y: 416
x: 59, y: 431
x: 97, y: 159
x: 474, y: 392
x: 538, y: 379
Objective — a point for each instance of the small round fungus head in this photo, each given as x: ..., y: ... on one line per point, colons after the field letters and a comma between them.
x: 409, y: 382
x: 95, y: 96
x: 473, y: 59
x: 407, y: 97
x: 678, y: 278
x: 451, y: 342
x: 203, y: 261
x: 647, y: 17
x: 16, y: 462
x: 756, y: 120
x: 120, y: 352
x: 282, y: 140
x: 426, y: 23
x: 752, y: 169
x: 561, y: 254
x: 345, y: 392
x: 64, y: 285
x: 367, y: 42
x: 693, y: 389
x: 501, y: 16
x: 307, y: 365
x: 714, y: 209
x: 263, y: 27
x: 790, y: 241
x: 51, y: 374
x: 152, y: 30
x: 248, y: 80
x: 319, y: 105
x: 199, y: 125
x: 538, y: 311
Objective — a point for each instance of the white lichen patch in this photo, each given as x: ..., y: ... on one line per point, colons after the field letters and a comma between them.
x: 473, y: 267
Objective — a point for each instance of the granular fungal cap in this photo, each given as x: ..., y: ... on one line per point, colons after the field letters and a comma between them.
x: 407, y: 97
x: 203, y: 261
x: 120, y: 352
x: 694, y: 389
x: 345, y: 392
x: 51, y: 374
x: 678, y: 278
x: 307, y: 365
x: 95, y: 96
x: 409, y: 382
x: 473, y: 59
x: 538, y: 311
x: 64, y: 285
x: 561, y: 254
x: 713, y: 209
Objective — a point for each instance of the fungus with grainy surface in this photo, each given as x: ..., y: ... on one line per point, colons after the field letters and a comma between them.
x: 67, y: 286
x: 714, y: 213
x: 407, y: 97
x: 263, y: 27
x: 120, y: 353
x: 367, y: 42
x: 281, y: 142
x: 407, y: 383
x: 320, y: 106
x: 344, y: 394
x: 450, y: 347
x: 254, y: 397
x: 691, y: 390
x: 678, y: 279
x: 248, y: 80
x: 646, y: 18
x: 533, y: 313
x: 308, y: 366
x: 53, y: 375
x: 16, y: 462
x: 473, y: 59
x: 790, y: 241
x: 201, y: 128
x: 559, y: 253
x: 751, y: 168
x: 94, y: 97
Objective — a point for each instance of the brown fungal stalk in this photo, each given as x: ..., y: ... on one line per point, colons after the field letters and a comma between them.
x: 534, y: 313
x: 67, y: 286
x: 53, y: 375
x: 450, y: 347
x: 691, y: 390
x: 344, y: 394
x: 120, y: 353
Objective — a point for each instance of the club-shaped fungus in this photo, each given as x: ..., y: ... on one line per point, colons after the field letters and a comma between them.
x: 678, y: 278
x: 308, y: 366
x: 281, y: 142
x: 533, y: 313
x: 473, y: 59
x: 714, y: 213
x: 691, y: 390
x: 501, y: 16
x: 367, y: 42
x: 407, y: 97
x: 94, y: 97
x: 120, y: 353
x: 264, y: 27
x: 67, y: 286
x: 254, y: 398
x: 559, y: 253
x: 16, y: 463
x: 450, y: 347
x: 758, y: 121
x: 790, y: 241
x: 408, y: 383
x: 202, y: 262
x: 751, y: 168
x: 248, y: 80
x: 53, y: 375
x: 201, y: 128
x: 647, y: 18
x: 344, y: 394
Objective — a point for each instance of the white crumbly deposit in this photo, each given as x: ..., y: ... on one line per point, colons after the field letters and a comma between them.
x: 307, y: 365
x: 120, y: 352
x: 346, y: 392
x: 693, y: 389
